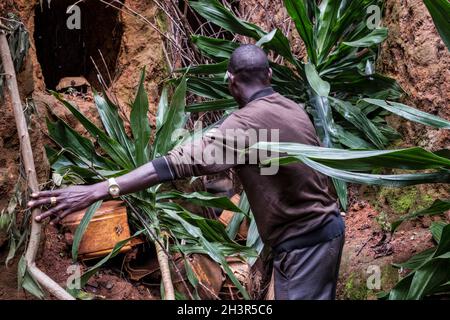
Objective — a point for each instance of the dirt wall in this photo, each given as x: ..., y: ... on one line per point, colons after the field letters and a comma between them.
x: 417, y: 58
x: 415, y: 55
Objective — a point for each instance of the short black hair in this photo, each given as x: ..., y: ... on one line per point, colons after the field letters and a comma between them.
x: 249, y: 63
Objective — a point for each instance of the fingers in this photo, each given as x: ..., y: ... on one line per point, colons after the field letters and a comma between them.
x: 61, y: 216
x: 42, y: 201
x: 46, y: 194
x: 50, y: 212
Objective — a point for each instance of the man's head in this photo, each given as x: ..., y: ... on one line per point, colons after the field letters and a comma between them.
x: 248, y: 71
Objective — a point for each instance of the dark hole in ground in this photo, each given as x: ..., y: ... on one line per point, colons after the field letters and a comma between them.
x: 64, y: 52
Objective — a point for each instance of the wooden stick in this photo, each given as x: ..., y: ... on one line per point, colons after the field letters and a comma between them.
x: 163, y: 259
x: 27, y: 155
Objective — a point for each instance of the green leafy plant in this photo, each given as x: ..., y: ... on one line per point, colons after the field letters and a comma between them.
x: 18, y: 42
x: 16, y: 232
x: 428, y: 270
x: 337, y: 74
x: 77, y: 160
x: 350, y: 166
x: 437, y: 208
x: 338, y: 85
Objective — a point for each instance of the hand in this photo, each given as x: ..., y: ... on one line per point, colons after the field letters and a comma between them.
x: 68, y: 200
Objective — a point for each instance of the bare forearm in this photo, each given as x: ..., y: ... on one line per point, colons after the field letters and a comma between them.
x: 136, y: 180
x: 74, y: 198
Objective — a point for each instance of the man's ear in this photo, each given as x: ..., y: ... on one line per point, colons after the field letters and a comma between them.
x: 231, y: 77
x: 269, y: 74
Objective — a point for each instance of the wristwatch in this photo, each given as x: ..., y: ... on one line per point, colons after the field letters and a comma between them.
x: 113, y: 188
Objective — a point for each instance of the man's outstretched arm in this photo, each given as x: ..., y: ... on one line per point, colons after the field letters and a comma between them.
x: 178, y: 164
x: 74, y: 198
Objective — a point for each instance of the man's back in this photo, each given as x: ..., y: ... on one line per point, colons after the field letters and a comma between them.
x: 297, y: 199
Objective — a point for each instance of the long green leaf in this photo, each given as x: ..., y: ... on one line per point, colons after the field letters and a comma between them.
x: 428, y: 277
x: 438, y: 207
x: 81, y: 229
x: 175, y: 119
x: 341, y: 190
x: 139, y: 123
x: 417, y: 260
x: 401, y: 288
x: 409, y: 159
x: 400, y: 180
x: 328, y: 14
x: 208, y: 88
x: 254, y: 240
x: 377, y: 36
x: 69, y: 139
x: 351, y: 16
x: 411, y: 114
x: 212, y: 68
x: 299, y: 14
x: 215, y: 48
x: 444, y: 241
x: 440, y: 12
x: 112, y: 123
x: 325, y: 125
x: 356, y: 117
x: 216, y: 13
x: 201, y: 199
x: 112, y: 147
x: 163, y: 105
x: 214, y: 105
x: 436, y: 229
x: 235, y: 222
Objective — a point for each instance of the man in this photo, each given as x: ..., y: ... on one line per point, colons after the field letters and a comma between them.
x: 295, y: 210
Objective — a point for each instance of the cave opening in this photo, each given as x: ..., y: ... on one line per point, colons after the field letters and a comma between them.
x: 69, y: 37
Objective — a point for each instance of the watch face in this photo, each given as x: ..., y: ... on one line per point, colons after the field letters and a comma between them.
x: 114, y: 190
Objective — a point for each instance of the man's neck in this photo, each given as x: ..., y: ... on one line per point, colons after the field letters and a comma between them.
x: 254, y: 93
